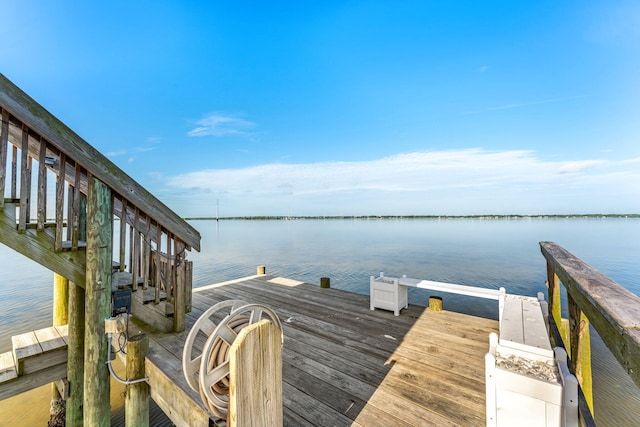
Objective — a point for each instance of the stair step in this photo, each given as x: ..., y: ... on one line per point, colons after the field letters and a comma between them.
x: 34, y: 225
x: 37, y: 350
x: 66, y: 245
x: 123, y: 280
x: 8, y: 369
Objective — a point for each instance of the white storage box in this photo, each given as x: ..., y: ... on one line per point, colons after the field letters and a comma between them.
x: 529, y: 390
x: 388, y: 294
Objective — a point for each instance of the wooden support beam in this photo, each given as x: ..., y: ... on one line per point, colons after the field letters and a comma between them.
x: 42, y: 186
x: 98, y: 303
x: 60, y: 313
x: 135, y: 253
x: 146, y: 254
x: 168, y: 272
x: 581, y: 349
x: 73, y: 215
x: 37, y: 247
x: 14, y: 172
x: 60, y: 300
x: 255, y: 376
x: 4, y: 146
x: 158, y: 271
x: 179, y: 300
x: 188, y: 281
x: 25, y: 190
x: 123, y: 235
x: 75, y: 356
x: 60, y: 183
x: 136, y: 403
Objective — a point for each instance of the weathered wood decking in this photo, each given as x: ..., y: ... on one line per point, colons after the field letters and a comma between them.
x: 344, y: 364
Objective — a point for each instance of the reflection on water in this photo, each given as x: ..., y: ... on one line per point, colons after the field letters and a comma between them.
x: 490, y: 253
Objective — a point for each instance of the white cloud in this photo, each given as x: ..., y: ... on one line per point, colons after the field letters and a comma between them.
x: 217, y: 124
x: 442, y: 182
x: 483, y: 68
x: 581, y: 166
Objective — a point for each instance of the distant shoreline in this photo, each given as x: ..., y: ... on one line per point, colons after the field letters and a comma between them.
x: 396, y: 217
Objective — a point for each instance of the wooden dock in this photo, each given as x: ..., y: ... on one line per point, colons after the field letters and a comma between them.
x: 344, y: 364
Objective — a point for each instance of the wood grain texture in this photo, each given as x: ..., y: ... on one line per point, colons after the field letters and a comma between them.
x: 613, y: 310
x: 137, y: 397
x: 42, y: 122
x: 255, y: 365
x: 346, y: 365
x: 97, y: 303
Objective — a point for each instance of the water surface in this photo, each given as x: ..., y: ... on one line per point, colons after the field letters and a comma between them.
x: 479, y: 252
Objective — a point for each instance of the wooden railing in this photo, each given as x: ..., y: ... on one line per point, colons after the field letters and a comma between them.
x: 46, y: 176
x: 592, y: 298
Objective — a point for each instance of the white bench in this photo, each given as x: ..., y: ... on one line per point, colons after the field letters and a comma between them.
x: 523, y: 325
x: 390, y: 293
x: 528, y: 383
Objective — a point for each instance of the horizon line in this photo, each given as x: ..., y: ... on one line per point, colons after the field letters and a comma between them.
x: 477, y: 216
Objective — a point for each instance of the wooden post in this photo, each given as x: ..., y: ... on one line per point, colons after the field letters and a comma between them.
x: 179, y: 301
x: 75, y: 356
x: 255, y: 376
x: 42, y: 186
x: 555, y: 307
x: 25, y: 188
x: 60, y: 300
x: 136, y: 403
x: 435, y: 303
x: 75, y: 349
x: 60, y: 315
x: 325, y: 282
x: 581, y: 350
x: 60, y: 181
x: 98, y: 302
x: 4, y: 146
x: 261, y: 270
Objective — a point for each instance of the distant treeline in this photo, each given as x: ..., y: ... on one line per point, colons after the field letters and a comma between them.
x: 281, y: 218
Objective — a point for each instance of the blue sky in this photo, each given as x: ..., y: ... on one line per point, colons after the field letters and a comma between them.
x: 347, y: 108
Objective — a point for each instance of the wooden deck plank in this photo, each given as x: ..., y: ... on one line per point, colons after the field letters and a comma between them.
x: 348, y: 329
x: 50, y: 339
x: 25, y: 346
x: 339, y: 400
x: 535, y: 334
x: 64, y: 332
x: 8, y: 370
x: 511, y: 325
x: 344, y: 364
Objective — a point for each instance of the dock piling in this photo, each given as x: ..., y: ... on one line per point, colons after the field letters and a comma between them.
x: 97, y: 409
x: 435, y: 303
x: 136, y: 404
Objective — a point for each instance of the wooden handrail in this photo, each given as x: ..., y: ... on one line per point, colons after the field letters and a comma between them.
x: 40, y: 142
x: 592, y: 298
x: 58, y: 135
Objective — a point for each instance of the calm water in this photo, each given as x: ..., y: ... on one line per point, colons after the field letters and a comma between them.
x: 490, y: 253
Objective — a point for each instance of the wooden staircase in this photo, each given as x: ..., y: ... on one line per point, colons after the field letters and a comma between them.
x: 44, y: 174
